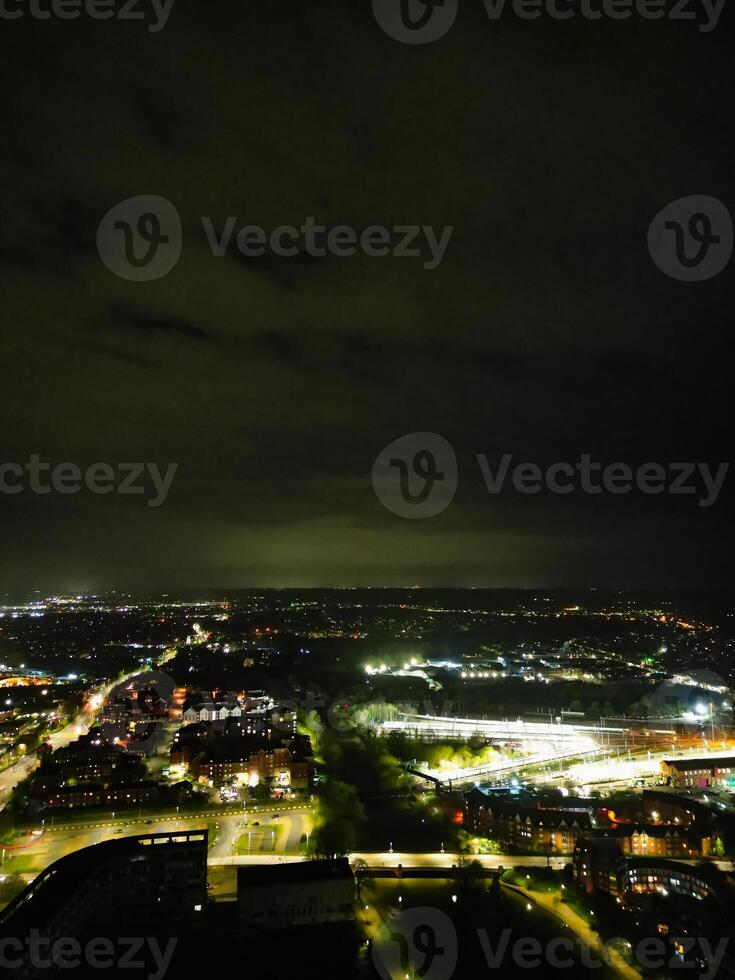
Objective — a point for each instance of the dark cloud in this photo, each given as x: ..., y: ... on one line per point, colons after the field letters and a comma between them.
x: 273, y: 383
x: 128, y: 319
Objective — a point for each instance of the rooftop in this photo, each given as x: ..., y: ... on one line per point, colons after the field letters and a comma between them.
x: 294, y: 872
x: 711, y: 762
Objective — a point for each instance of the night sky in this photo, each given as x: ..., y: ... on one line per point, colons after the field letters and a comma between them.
x: 546, y: 332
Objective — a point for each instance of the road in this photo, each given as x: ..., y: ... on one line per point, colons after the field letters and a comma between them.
x: 225, y: 829
x: 486, y: 860
x: 55, y: 843
x: 264, y: 840
x: 10, y: 777
x: 375, y: 921
x: 569, y: 918
x: 415, y: 860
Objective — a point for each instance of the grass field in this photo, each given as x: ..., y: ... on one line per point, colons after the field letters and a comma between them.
x: 535, y: 879
x: 257, y: 839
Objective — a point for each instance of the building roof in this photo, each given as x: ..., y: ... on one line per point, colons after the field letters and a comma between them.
x: 600, y: 844
x: 38, y: 903
x: 293, y: 873
x: 506, y: 810
x: 707, y: 873
x: 714, y: 762
x: 659, y: 830
x: 212, y: 706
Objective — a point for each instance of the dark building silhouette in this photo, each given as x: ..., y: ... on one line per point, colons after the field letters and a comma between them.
x: 296, y: 894
x: 150, y: 883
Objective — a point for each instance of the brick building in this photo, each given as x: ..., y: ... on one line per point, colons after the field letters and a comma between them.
x: 524, y: 828
x: 699, y: 773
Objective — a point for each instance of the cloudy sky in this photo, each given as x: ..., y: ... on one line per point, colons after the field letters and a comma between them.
x: 546, y: 332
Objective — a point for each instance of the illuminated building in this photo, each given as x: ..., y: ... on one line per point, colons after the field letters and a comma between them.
x: 524, y: 828
x: 699, y: 773
x: 599, y: 865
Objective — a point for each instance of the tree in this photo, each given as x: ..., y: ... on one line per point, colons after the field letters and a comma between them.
x: 365, y: 880
x: 468, y: 876
x: 11, y: 886
x: 495, y: 892
x: 335, y: 838
x: 340, y: 801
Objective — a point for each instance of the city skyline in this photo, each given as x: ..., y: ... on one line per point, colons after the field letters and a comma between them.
x: 367, y: 489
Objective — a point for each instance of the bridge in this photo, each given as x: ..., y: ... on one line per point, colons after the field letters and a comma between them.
x: 473, y: 774
x: 418, y: 872
x: 555, y: 742
x: 436, y: 726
